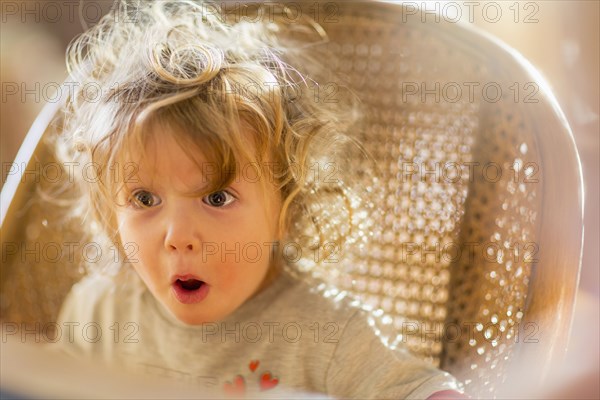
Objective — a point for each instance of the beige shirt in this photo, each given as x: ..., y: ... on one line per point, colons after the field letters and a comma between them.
x: 289, y: 336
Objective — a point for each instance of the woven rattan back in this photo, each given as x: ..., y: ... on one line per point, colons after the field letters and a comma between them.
x: 479, y: 170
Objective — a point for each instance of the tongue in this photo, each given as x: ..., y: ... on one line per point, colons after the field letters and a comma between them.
x: 190, y: 284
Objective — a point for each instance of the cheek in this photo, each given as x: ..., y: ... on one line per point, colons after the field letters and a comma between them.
x: 260, y: 226
x: 128, y: 237
x: 234, y: 276
x: 124, y: 225
x: 138, y: 250
x: 135, y: 238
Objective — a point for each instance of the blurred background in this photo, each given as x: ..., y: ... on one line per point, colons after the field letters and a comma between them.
x: 559, y: 37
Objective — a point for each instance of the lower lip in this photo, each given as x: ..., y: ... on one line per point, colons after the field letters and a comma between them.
x: 190, y: 296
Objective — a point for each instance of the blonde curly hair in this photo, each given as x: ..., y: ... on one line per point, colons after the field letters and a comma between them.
x: 174, y: 63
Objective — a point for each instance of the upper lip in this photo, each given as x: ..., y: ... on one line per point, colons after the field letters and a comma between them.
x: 185, y: 277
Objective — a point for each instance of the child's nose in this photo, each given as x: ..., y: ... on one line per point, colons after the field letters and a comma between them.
x: 181, y: 234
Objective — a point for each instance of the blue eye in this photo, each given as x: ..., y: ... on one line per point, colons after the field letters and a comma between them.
x: 144, y: 199
x: 218, y: 199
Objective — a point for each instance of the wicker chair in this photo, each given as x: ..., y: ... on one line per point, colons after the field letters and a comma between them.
x: 475, y: 259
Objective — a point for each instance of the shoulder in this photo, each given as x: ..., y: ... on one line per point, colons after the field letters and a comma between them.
x: 97, y: 292
x: 305, y: 297
x: 370, y: 358
x: 84, y: 297
x: 364, y: 365
x: 93, y: 306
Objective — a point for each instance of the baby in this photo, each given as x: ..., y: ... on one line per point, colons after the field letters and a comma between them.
x: 204, y: 138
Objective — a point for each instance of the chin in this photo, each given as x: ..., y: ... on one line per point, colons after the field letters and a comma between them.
x: 194, y: 317
x: 188, y: 319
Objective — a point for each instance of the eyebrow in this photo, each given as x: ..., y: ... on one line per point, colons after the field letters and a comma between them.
x: 195, y: 192
x: 200, y: 190
x: 191, y: 193
x: 203, y: 189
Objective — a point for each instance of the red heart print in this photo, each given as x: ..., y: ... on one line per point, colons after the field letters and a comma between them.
x: 253, y: 365
x: 237, y: 387
x: 266, y: 382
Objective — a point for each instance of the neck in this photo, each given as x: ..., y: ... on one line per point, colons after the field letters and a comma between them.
x: 272, y: 274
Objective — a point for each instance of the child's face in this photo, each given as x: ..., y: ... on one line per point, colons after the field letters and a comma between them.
x: 175, y: 241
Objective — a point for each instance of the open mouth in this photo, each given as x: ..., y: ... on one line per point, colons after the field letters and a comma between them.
x: 189, y: 284
x: 189, y: 290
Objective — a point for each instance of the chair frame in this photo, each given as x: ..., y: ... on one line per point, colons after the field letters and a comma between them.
x: 555, y: 275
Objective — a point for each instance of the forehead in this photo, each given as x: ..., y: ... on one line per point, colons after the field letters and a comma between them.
x: 168, y: 156
x: 165, y: 154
